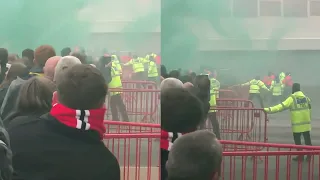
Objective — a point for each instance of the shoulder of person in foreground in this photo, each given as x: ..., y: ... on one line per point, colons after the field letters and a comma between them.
x: 196, y: 155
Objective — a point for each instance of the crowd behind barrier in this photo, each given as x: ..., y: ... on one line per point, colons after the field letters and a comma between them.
x: 77, y: 104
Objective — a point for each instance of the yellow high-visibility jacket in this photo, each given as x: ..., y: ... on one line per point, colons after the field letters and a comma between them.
x: 300, y: 108
x: 255, y: 86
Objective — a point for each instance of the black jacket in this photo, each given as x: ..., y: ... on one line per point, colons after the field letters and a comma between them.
x: 3, y: 91
x: 45, y: 149
x: 106, y: 72
x: 5, y: 154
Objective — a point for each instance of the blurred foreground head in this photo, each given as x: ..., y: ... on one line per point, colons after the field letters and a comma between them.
x: 50, y: 66
x: 36, y: 95
x: 42, y: 54
x: 170, y: 83
x: 83, y: 87
x: 196, y: 155
x: 180, y: 111
x: 64, y: 63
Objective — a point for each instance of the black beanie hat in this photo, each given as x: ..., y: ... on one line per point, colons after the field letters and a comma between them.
x: 295, y: 87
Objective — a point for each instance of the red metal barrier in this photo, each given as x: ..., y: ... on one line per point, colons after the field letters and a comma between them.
x: 115, y: 127
x: 242, y: 124
x: 139, y: 85
x: 234, y: 103
x: 142, y: 105
x: 137, y: 154
x: 273, y: 163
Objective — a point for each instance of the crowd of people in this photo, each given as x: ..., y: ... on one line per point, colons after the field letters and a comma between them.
x: 186, y: 152
x: 52, y: 113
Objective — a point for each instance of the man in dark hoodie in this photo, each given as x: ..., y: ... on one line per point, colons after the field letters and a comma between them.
x: 67, y: 142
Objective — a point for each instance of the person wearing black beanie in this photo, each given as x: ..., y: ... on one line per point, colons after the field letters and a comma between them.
x: 300, y: 109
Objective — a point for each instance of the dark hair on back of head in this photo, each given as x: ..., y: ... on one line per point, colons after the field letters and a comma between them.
x: 83, y: 87
x: 175, y: 74
x: 28, y: 53
x: 3, y: 56
x: 180, y: 111
x: 16, y: 70
x: 36, y: 95
x: 65, y: 51
x: 81, y: 56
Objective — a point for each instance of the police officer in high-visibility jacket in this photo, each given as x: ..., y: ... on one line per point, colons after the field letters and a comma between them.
x: 215, y: 86
x: 138, y: 68
x: 116, y: 101
x: 116, y: 63
x: 254, y: 92
x: 153, y: 74
x: 282, y: 75
x: 212, y: 115
x: 277, y: 90
x: 300, y: 107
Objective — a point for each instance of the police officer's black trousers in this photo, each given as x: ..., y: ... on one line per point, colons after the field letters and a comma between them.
x: 306, y: 137
x: 257, y: 96
x: 139, y: 76
x: 116, y: 103
x: 212, y: 116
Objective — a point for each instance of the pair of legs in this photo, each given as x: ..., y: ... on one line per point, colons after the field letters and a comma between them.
x: 256, y: 96
x: 297, y: 140
x: 139, y: 76
x: 306, y: 136
x: 116, y: 103
x: 212, y: 117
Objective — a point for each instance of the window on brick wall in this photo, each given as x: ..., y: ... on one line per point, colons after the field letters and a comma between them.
x: 270, y: 8
x: 245, y: 8
x: 295, y: 8
x: 314, y: 7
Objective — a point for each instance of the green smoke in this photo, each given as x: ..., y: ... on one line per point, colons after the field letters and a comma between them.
x: 30, y: 23
x: 181, y: 42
